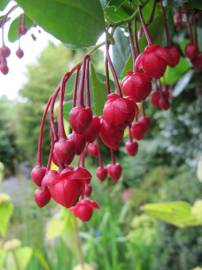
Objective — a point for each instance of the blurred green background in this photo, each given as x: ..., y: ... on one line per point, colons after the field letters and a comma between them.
x: 121, y: 235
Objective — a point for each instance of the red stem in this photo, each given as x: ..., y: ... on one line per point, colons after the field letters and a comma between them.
x: 40, y: 140
x: 135, y: 37
x: 116, y: 81
x: 168, y: 39
x: 51, y: 151
x: 88, y: 82
x: 130, y: 134
x: 100, y: 160
x: 61, y: 129
x: 107, y: 67
x: 112, y: 156
x: 52, y: 118
x: 82, y: 82
x: 146, y: 32
x: 76, y: 86
x: 132, y: 45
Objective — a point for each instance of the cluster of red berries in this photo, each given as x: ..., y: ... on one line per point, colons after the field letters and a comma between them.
x: 71, y: 186
x: 195, y: 56
x: 5, y: 51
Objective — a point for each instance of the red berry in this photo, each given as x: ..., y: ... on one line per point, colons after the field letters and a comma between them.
x: 38, y: 173
x: 50, y: 178
x: 87, y: 190
x: 118, y: 111
x: 164, y: 103
x: 84, y: 209
x: 80, y: 118
x: 136, y: 85
x: 153, y: 60
x: 4, y: 68
x: 93, y: 149
x: 111, y: 136
x: 79, y: 142
x: 19, y: 53
x: 66, y: 191
x: 93, y: 130
x: 191, y: 51
x: 132, y: 148
x: 114, y: 171
x: 155, y: 97
x: 138, y: 130
x: 64, y: 151
x: 146, y: 121
x: 42, y: 197
x: 174, y: 56
x: 101, y: 173
x: 5, y: 51
x: 197, y: 62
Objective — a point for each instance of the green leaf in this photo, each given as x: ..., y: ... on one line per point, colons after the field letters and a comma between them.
x: 78, y: 23
x: 117, y: 11
x: 98, y: 91
x: 182, y: 83
x: 13, y: 33
x: 40, y: 257
x: 6, y: 210
x: 178, y: 213
x: 3, y: 4
x: 172, y: 75
x: 18, y: 259
x: 120, y: 51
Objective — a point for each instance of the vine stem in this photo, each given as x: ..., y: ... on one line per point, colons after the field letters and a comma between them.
x: 88, y: 82
x: 168, y: 39
x: 146, y: 32
x: 132, y: 45
x: 112, y: 156
x: 79, y: 245
x: 107, y: 67
x: 76, y: 87
x: 116, y: 81
x: 40, y: 140
x: 61, y: 129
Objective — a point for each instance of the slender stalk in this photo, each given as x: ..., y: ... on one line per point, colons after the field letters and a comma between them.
x: 168, y: 39
x: 146, y: 32
x: 88, y: 82
x: 132, y: 45
x: 135, y: 37
x: 116, y: 81
x: 100, y: 160
x: 107, y: 67
x: 76, y: 86
x: 40, y: 140
x: 82, y: 82
x: 130, y: 134
x: 112, y: 156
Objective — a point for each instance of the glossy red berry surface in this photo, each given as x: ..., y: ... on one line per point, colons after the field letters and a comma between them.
x: 174, y: 58
x: 79, y: 142
x: 138, y: 130
x: 93, y: 149
x: 101, y: 173
x: 19, y: 53
x: 64, y: 151
x: 93, y: 130
x: 131, y: 148
x: 191, y: 51
x: 80, y: 118
x: 136, y: 85
x: 5, y: 51
x: 84, y: 209
x: 114, y: 171
x: 118, y: 111
x: 38, y: 173
x: 42, y: 197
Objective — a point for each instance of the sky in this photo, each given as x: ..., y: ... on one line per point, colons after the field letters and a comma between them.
x: 11, y: 83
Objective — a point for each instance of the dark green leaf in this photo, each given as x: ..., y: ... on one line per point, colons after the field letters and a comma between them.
x: 195, y: 4
x: 78, y: 23
x: 13, y: 33
x: 99, y: 92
